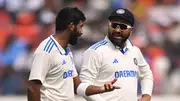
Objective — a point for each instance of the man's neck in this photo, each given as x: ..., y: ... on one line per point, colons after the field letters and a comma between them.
x: 62, y: 39
x: 120, y: 46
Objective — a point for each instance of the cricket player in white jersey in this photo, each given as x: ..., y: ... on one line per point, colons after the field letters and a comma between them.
x: 117, y: 57
x: 53, y: 76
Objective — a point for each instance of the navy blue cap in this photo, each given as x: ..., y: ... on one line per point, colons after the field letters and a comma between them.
x: 122, y: 13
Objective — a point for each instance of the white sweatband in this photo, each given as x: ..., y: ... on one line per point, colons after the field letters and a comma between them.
x: 81, y: 90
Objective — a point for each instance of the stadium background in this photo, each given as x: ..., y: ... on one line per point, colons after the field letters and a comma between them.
x: 25, y: 23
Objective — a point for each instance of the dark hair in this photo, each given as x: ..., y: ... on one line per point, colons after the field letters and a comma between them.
x: 68, y: 15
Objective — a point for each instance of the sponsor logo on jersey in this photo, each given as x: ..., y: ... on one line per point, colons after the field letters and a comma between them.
x: 68, y: 74
x: 125, y: 73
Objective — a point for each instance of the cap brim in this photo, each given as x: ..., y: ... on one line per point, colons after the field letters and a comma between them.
x: 121, y: 17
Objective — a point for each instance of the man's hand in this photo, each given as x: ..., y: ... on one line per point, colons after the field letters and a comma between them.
x: 145, y: 97
x: 109, y: 86
x: 91, y: 89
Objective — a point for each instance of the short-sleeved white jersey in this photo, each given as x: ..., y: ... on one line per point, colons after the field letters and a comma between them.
x: 54, y: 67
x: 103, y: 62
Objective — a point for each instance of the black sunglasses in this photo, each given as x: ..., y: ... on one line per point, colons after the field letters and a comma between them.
x: 122, y: 26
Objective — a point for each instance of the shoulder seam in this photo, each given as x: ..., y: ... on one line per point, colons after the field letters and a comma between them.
x: 131, y: 42
x: 98, y: 44
x: 49, y: 45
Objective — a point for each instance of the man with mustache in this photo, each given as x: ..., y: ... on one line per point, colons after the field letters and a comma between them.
x: 116, y: 57
x: 53, y: 76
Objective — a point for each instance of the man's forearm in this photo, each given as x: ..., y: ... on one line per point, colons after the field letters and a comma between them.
x: 94, y: 90
x: 33, y: 95
x: 84, y: 89
x: 146, y: 96
x: 33, y: 92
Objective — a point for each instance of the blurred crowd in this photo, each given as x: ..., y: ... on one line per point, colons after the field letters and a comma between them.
x: 25, y: 23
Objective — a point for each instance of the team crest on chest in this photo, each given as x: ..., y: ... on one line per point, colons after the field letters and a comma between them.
x: 135, y: 61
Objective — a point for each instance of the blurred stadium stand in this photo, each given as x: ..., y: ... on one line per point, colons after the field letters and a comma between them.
x: 25, y: 23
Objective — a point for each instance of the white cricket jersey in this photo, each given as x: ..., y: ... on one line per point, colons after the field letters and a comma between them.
x: 54, y: 67
x: 103, y: 62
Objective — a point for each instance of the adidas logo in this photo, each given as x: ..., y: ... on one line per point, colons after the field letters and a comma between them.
x: 64, y: 62
x: 115, y: 61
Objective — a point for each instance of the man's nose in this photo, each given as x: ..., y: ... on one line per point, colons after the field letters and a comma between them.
x: 118, y: 29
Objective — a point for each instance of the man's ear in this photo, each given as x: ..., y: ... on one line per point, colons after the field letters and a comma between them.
x: 132, y: 30
x: 71, y: 26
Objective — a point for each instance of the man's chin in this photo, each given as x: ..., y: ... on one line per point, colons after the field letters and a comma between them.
x: 119, y: 41
x: 73, y: 42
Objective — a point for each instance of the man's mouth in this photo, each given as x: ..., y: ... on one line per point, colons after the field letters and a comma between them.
x: 117, y: 35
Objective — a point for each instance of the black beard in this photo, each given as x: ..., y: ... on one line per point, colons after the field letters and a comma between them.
x: 118, y: 42
x: 73, y: 40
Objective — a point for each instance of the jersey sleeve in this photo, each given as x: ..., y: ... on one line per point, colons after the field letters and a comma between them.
x: 145, y: 75
x: 89, y: 67
x: 89, y: 70
x: 40, y: 66
x: 74, y: 67
x: 74, y: 71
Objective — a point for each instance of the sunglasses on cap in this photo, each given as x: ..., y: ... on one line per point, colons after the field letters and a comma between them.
x: 122, y: 26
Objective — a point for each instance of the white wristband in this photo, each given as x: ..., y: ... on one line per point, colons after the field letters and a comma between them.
x: 81, y: 90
